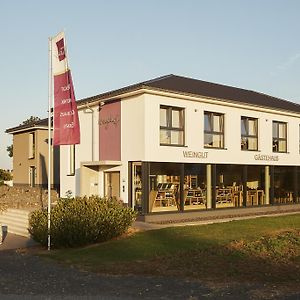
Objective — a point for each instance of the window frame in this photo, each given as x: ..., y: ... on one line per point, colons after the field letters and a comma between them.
x: 31, y: 145
x: 219, y: 133
x: 247, y: 135
x: 71, y: 160
x: 278, y: 138
x: 169, y: 122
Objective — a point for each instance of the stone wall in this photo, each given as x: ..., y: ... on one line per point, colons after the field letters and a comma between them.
x: 25, y: 197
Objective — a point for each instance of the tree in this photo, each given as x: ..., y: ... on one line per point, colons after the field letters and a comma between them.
x: 5, y: 175
x: 10, y: 150
x: 30, y: 120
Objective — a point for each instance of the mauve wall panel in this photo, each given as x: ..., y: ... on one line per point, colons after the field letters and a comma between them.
x: 110, y: 131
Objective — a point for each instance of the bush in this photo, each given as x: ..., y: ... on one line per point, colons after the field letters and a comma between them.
x: 81, y: 221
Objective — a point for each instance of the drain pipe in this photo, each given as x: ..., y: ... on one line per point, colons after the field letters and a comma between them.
x: 92, y: 111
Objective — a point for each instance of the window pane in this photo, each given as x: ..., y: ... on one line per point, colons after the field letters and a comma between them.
x: 213, y: 140
x: 216, y: 141
x: 163, y: 117
x: 275, y: 145
x: 252, y: 143
x: 208, y: 140
x: 176, y: 119
x: 207, y: 123
x: 243, y: 126
x: 244, y: 143
x: 216, y: 124
x: 252, y: 127
x: 282, y: 131
x: 176, y: 137
x: 282, y: 146
x: 275, y: 129
x: 165, y: 136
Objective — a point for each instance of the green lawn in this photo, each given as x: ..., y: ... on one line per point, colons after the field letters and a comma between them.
x: 263, y: 249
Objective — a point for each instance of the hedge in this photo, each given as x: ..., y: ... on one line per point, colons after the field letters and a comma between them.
x: 81, y: 221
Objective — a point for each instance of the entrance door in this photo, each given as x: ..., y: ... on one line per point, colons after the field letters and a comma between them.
x: 32, y: 176
x: 112, y: 184
x: 94, y: 185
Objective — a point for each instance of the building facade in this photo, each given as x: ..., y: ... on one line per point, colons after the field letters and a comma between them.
x: 177, y: 144
x: 30, y: 155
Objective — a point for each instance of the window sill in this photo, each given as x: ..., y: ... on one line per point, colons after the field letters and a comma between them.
x: 281, y: 152
x: 249, y: 150
x: 172, y: 145
x: 215, y: 148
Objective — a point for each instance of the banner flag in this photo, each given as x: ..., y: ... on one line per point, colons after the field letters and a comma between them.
x: 65, y: 121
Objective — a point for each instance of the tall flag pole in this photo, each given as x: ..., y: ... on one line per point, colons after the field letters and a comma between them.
x: 66, y: 121
x: 50, y: 96
x: 66, y: 130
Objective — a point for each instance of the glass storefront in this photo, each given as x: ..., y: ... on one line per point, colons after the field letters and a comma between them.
x: 229, y: 186
x: 137, y: 185
x: 195, y: 189
x: 164, y: 189
x: 184, y: 187
x: 256, y: 193
x: 283, y: 185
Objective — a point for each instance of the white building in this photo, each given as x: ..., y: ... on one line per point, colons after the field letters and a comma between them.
x: 179, y: 144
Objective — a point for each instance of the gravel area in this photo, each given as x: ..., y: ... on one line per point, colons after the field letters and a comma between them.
x: 25, y: 276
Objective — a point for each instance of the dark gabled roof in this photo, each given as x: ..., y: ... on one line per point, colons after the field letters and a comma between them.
x: 38, y: 124
x: 184, y: 85
x: 187, y: 86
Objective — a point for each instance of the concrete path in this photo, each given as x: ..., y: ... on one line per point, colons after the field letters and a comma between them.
x: 13, y: 241
x: 140, y: 225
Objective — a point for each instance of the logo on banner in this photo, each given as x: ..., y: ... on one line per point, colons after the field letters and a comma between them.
x: 61, y: 49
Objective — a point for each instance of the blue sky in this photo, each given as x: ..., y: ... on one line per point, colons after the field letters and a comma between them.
x: 252, y: 44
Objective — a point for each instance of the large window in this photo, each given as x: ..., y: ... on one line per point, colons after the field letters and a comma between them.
x: 31, y: 145
x: 249, y: 133
x: 171, y: 126
x: 71, y: 169
x: 279, y: 136
x: 213, y: 130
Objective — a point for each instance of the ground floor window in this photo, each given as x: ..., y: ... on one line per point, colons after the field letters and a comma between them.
x: 164, y: 192
x: 195, y: 186
x: 229, y: 186
x: 161, y: 187
x: 283, y: 185
x: 137, y: 185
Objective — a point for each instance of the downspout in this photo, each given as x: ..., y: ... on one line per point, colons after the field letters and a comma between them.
x: 92, y: 111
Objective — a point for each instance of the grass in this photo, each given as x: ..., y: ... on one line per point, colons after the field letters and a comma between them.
x: 257, y: 250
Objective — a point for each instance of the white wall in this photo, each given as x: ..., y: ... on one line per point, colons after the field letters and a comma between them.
x: 194, y: 134
x: 140, y: 119
x: 83, y: 151
x: 132, y: 137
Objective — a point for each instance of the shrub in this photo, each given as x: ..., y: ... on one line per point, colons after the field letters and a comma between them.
x: 81, y: 221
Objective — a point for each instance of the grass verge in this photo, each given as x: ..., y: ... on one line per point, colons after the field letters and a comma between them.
x: 258, y: 250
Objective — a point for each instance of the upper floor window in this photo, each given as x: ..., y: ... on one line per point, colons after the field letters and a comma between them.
x: 171, y: 125
x: 71, y: 166
x: 249, y: 133
x: 31, y: 145
x: 279, y: 136
x: 213, y: 130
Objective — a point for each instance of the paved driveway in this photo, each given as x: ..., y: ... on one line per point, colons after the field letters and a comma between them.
x: 25, y: 276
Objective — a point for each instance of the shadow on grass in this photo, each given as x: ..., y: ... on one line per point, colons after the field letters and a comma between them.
x: 261, y: 250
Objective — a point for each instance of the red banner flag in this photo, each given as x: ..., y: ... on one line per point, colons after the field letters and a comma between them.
x: 66, y: 121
